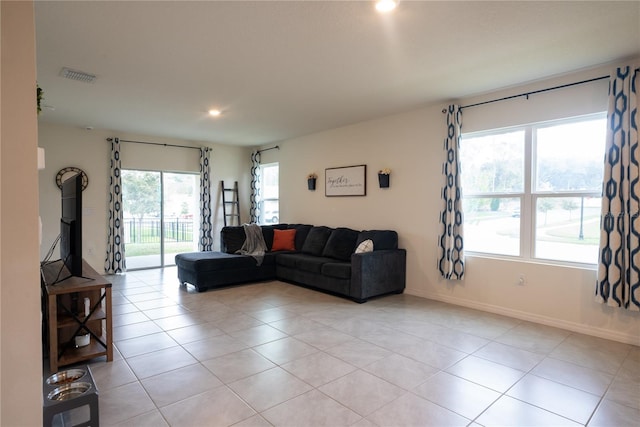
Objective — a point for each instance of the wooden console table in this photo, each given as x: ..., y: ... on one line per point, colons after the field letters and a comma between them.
x: 64, y: 314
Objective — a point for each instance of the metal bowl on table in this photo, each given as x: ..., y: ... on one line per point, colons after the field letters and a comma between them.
x: 65, y: 377
x: 69, y: 391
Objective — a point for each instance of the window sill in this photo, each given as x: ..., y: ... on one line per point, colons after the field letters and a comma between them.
x: 541, y: 262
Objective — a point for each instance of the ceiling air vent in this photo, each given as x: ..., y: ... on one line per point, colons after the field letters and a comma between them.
x: 80, y: 76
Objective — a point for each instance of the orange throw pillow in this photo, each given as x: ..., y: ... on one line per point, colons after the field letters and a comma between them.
x: 284, y: 240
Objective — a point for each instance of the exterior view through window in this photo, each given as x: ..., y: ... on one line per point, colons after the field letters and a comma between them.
x: 534, y: 191
x: 269, y: 182
x: 161, y: 216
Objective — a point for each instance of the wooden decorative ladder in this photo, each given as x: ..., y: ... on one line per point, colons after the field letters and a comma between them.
x: 230, y: 208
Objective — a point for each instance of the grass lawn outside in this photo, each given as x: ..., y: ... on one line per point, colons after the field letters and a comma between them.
x: 141, y: 249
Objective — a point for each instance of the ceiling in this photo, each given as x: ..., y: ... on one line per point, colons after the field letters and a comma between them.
x: 281, y: 69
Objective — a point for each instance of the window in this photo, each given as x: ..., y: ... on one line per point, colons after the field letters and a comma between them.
x: 533, y: 191
x: 269, y: 182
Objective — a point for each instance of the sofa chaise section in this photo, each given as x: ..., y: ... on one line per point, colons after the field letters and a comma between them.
x: 207, y: 270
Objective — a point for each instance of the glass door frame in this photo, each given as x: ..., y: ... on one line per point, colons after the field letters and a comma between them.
x: 162, y: 173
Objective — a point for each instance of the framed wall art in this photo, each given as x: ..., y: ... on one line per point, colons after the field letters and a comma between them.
x: 346, y: 181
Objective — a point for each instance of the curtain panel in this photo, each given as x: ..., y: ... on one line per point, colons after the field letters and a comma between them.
x: 254, y: 209
x: 115, y: 260
x: 618, y: 282
x: 205, y: 243
x: 451, y: 248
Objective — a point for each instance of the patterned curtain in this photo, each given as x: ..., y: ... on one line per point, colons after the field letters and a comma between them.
x: 206, y: 227
x: 254, y: 210
x: 619, y: 258
x: 451, y: 249
x: 115, y: 261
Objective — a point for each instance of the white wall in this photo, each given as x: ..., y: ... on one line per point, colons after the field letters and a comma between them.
x: 90, y: 151
x: 20, y: 325
x: 411, y: 145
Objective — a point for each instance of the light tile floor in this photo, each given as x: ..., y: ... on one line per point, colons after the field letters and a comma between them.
x: 274, y: 354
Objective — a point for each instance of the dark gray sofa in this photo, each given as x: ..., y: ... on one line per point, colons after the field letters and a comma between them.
x: 323, y: 258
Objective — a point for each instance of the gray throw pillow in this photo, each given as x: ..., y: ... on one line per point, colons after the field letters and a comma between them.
x: 365, y: 246
x: 382, y: 239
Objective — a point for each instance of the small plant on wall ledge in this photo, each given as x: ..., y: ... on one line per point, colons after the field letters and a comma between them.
x: 383, y: 177
x: 39, y: 96
x: 311, y: 181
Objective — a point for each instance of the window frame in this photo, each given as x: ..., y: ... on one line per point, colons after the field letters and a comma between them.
x: 530, y: 195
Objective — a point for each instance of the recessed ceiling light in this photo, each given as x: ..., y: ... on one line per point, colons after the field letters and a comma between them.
x: 214, y: 113
x: 384, y: 6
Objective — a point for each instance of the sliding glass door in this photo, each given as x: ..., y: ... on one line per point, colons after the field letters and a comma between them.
x: 161, y: 216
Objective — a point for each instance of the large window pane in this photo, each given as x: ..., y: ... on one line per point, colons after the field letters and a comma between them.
x: 493, y: 163
x: 141, y: 196
x: 567, y: 229
x: 181, y: 214
x: 570, y: 157
x: 492, y: 225
x: 270, y: 182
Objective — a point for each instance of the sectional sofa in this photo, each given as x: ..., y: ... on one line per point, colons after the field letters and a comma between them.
x: 341, y: 261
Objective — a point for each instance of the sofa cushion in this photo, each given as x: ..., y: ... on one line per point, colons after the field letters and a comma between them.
x: 341, y: 244
x: 316, y: 240
x: 269, y: 259
x: 286, y: 260
x: 340, y: 270
x: 365, y: 246
x: 382, y: 239
x: 216, y: 261
x: 284, y: 240
x: 232, y: 239
x: 311, y: 263
x: 303, y: 262
x: 302, y: 231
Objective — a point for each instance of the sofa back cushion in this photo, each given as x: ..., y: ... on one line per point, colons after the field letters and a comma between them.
x: 316, y: 240
x: 302, y: 231
x: 341, y: 244
x: 231, y: 239
x: 382, y: 239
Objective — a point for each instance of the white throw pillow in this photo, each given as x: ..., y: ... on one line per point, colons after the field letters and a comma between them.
x: 365, y: 246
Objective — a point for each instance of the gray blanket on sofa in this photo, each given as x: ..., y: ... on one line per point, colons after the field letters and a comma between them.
x: 254, y: 244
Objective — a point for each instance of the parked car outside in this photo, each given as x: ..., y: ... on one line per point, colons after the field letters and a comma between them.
x: 271, y: 217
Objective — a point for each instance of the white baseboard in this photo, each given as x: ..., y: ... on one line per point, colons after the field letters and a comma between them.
x: 531, y: 317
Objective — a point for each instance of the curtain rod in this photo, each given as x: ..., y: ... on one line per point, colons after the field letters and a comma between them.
x: 277, y: 147
x: 526, y: 94
x: 156, y: 143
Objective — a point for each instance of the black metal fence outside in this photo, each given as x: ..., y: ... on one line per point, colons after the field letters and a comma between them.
x: 148, y: 230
